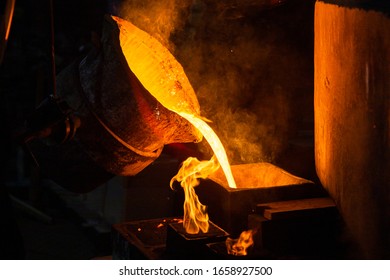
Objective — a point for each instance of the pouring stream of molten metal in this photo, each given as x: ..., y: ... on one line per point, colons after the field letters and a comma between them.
x: 215, y: 144
x: 164, y: 78
x: 195, y: 214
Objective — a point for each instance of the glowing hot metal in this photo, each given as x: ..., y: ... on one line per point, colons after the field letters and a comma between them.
x: 195, y: 214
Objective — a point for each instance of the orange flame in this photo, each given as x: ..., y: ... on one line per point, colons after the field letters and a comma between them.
x: 195, y: 214
x: 163, y: 77
x: 214, y: 143
x: 238, y: 247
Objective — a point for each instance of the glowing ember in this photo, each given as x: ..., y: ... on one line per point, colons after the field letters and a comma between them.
x: 238, y: 247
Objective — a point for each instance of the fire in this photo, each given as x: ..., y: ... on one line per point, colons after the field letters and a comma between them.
x: 238, y: 247
x: 164, y: 78
x: 195, y: 214
x: 215, y: 144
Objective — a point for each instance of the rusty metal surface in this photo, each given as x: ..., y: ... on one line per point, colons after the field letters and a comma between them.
x: 123, y: 127
x: 133, y: 125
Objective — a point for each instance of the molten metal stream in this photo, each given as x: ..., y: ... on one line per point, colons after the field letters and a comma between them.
x: 195, y: 213
x: 164, y: 78
x: 215, y: 144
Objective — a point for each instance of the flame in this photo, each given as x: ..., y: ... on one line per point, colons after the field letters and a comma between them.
x: 163, y: 77
x: 195, y: 214
x: 215, y: 144
x: 238, y: 247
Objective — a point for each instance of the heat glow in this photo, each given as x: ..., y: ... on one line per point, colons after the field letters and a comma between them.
x: 238, y: 247
x: 163, y: 77
x: 195, y: 214
x: 215, y: 144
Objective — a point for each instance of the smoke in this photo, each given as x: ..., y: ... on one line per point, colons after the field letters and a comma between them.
x: 244, y: 64
x: 159, y: 18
